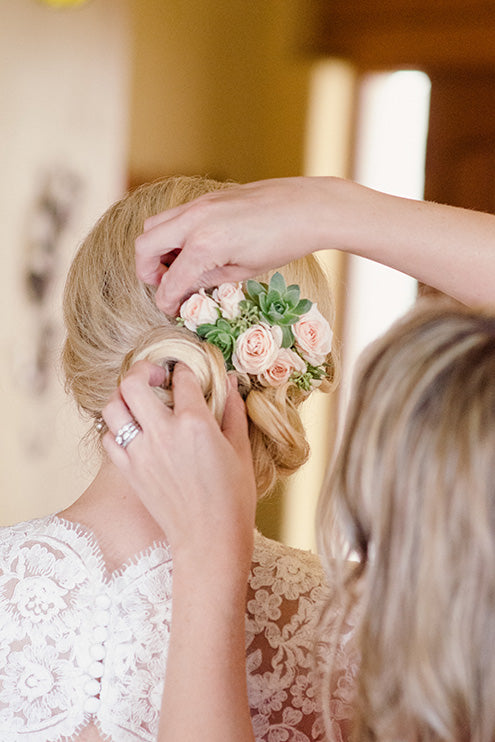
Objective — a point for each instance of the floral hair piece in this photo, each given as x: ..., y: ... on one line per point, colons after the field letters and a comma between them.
x: 265, y: 331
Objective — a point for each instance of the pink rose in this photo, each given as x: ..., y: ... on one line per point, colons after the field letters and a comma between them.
x: 229, y: 296
x: 199, y: 309
x: 286, y: 361
x: 313, y: 336
x: 256, y: 349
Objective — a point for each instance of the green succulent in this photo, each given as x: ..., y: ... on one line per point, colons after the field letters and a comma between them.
x: 221, y: 334
x: 278, y: 304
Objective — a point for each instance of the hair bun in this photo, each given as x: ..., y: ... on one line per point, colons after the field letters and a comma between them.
x: 167, y: 345
x: 278, y: 440
x: 110, y: 315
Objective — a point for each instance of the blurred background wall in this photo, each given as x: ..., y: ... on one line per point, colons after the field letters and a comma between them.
x: 218, y: 88
x: 99, y: 96
x: 64, y: 118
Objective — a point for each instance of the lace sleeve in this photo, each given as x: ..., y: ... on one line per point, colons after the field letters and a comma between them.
x: 286, y: 592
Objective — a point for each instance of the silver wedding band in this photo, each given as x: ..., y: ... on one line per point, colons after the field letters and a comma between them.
x: 127, y: 433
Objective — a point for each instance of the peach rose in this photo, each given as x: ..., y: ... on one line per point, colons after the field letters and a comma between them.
x: 256, y: 349
x: 229, y: 296
x: 286, y: 361
x: 313, y: 336
x: 199, y: 309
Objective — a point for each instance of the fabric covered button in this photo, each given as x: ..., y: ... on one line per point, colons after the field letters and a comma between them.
x: 97, y: 651
x: 91, y: 705
x: 102, y: 617
x: 96, y: 669
x: 100, y: 634
x: 92, y: 687
x: 102, y: 601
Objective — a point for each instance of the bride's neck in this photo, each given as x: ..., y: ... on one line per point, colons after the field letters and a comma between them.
x: 116, y: 515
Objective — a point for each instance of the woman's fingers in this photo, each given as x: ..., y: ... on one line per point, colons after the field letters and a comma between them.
x: 116, y: 413
x: 228, y: 235
x: 136, y: 391
x: 131, y: 407
x: 163, y: 239
x: 180, y: 279
x: 164, y: 216
x: 189, y: 473
x: 154, y: 245
x: 188, y: 394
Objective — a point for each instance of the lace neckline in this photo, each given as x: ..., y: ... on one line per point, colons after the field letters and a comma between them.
x: 84, y: 646
x: 87, y: 533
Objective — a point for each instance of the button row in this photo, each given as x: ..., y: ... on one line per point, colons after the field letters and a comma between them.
x: 92, y: 687
x: 91, y: 705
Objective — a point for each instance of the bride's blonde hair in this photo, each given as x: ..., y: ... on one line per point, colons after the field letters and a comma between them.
x: 112, y: 321
x: 413, y: 493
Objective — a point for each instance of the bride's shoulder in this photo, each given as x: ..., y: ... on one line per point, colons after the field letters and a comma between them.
x: 286, y: 594
x: 10, y: 534
x: 25, y: 529
x: 288, y: 572
x: 36, y: 537
x: 266, y: 550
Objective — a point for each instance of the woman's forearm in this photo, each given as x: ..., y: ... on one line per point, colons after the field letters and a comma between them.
x: 196, y: 479
x: 241, y: 232
x: 205, y: 695
x: 449, y: 248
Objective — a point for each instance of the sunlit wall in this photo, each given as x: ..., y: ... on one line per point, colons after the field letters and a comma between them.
x: 63, y: 127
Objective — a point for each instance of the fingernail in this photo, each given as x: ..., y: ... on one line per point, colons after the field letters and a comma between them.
x: 232, y: 380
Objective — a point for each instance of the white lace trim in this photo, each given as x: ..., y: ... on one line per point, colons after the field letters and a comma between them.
x: 79, y: 644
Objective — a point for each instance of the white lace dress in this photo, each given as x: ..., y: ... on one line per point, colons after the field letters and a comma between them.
x: 81, y: 647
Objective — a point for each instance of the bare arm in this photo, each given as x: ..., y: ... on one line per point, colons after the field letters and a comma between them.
x: 449, y: 248
x: 243, y: 231
x: 205, y: 696
x: 197, y: 482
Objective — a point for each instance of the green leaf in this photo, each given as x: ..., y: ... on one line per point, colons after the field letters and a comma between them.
x: 264, y: 306
x: 276, y: 312
x: 277, y: 283
x: 303, y: 306
x: 226, y: 352
x: 273, y: 296
x: 289, y: 318
x: 222, y: 324
x: 292, y: 295
x: 287, y: 336
x: 303, y: 381
x: 203, y: 330
x: 254, y: 289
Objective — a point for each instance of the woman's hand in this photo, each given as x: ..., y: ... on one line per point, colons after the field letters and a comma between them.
x: 232, y: 234
x: 229, y: 235
x: 195, y: 478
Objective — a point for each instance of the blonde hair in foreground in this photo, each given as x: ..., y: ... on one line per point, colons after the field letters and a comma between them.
x: 413, y: 495
x: 112, y: 321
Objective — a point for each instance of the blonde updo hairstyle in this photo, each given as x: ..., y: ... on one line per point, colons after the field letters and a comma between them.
x: 112, y: 321
x: 412, y: 493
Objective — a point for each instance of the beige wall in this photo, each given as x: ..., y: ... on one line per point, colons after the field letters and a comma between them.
x: 218, y: 88
x: 63, y: 96
x: 327, y: 152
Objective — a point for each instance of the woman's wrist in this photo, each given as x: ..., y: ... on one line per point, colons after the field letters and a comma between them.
x: 224, y: 558
x: 332, y: 214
